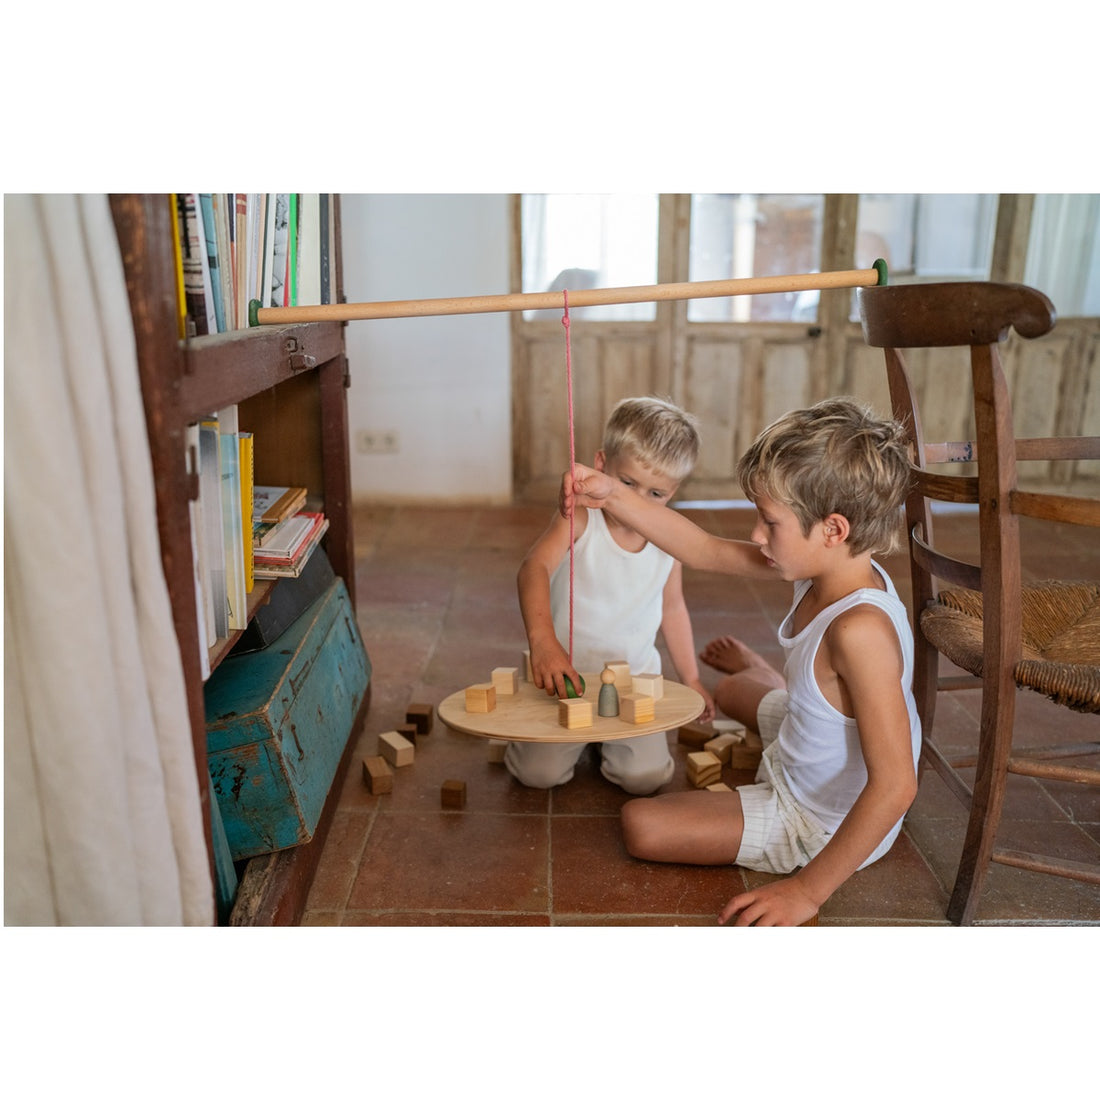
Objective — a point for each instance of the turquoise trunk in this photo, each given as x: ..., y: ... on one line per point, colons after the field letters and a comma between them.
x: 277, y: 723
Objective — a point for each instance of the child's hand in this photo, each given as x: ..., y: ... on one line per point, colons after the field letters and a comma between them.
x: 550, y: 665
x: 584, y: 488
x: 708, y: 700
x: 777, y: 903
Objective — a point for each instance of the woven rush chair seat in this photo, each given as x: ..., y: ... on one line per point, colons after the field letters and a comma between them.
x: 1060, y: 636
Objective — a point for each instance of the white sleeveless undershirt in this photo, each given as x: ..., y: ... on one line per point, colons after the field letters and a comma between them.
x: 617, y: 601
x: 819, y: 746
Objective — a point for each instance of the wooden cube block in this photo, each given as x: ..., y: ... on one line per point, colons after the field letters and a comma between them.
x: 703, y: 769
x: 377, y: 775
x: 694, y: 735
x: 497, y: 749
x: 527, y: 671
x: 452, y: 795
x: 420, y: 714
x: 407, y: 730
x: 506, y: 680
x: 481, y: 698
x: 574, y: 714
x: 746, y: 755
x: 729, y: 725
x: 637, y: 708
x: 398, y: 750
x: 721, y: 745
x: 622, y: 676
x: 648, y: 683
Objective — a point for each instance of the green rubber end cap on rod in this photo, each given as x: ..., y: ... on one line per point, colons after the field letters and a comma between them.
x: 254, y: 313
x: 883, y: 273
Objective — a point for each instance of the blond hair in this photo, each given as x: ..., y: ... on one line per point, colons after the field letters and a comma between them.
x: 836, y: 456
x: 657, y: 433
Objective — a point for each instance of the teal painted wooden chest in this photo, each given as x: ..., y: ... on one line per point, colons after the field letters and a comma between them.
x: 277, y: 723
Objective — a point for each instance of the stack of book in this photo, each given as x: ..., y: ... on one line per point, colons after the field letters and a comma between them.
x: 283, y: 534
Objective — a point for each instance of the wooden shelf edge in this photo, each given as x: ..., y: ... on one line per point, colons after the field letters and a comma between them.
x: 230, y: 367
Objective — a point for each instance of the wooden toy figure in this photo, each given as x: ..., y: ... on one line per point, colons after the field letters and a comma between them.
x: 608, y: 704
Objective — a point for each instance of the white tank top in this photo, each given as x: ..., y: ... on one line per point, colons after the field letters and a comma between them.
x: 617, y: 601
x: 820, y: 749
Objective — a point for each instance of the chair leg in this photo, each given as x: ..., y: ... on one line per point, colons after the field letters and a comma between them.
x: 994, y: 745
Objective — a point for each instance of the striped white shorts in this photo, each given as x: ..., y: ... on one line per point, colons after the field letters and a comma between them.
x: 780, y: 836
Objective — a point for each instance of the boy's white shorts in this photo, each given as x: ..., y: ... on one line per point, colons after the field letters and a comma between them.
x: 780, y: 836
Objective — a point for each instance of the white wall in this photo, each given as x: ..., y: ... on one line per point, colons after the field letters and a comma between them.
x: 442, y: 384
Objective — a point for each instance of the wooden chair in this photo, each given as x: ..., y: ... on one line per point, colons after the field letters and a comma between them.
x: 1043, y: 636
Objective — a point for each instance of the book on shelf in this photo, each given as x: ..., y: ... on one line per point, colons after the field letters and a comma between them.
x: 210, y: 240
x: 196, y: 267
x: 213, y: 532
x: 247, y: 477
x: 309, y: 250
x: 204, y: 598
x: 293, y: 568
x: 177, y: 257
x: 273, y: 504
x: 288, y: 539
x: 276, y: 288
x: 232, y: 527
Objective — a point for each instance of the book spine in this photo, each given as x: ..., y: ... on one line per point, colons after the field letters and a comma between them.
x: 281, y: 230
x: 326, y: 292
x: 247, y: 478
x: 211, y: 492
x: 232, y: 532
x: 213, y: 260
x: 193, y: 251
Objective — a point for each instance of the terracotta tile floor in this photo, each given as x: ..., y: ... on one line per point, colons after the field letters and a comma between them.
x: 438, y: 611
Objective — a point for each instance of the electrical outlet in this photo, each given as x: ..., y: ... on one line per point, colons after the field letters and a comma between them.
x: 369, y: 442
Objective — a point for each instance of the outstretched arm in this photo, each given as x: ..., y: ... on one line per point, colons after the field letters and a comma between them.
x: 668, y: 529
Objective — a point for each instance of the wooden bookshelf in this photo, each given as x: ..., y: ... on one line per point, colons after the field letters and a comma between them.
x: 290, y: 385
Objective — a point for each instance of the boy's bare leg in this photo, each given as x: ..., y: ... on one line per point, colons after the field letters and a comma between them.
x: 748, y: 678
x: 701, y: 827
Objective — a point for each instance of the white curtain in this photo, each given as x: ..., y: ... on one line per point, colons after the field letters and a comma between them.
x: 102, y: 818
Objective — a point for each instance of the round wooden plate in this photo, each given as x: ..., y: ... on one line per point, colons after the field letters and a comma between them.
x: 532, y: 715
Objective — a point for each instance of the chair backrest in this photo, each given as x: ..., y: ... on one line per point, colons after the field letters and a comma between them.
x: 977, y: 316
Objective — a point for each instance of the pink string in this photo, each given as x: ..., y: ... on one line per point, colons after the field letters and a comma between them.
x: 572, y: 462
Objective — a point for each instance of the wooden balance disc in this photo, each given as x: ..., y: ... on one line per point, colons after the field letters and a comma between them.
x: 532, y: 715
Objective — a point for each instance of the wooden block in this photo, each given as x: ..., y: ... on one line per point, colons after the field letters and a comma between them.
x: 637, y: 708
x: 452, y: 795
x: 747, y: 755
x: 528, y: 673
x: 729, y: 725
x: 481, y: 698
x: 497, y: 749
x: 694, y: 735
x: 721, y: 745
x: 703, y: 769
x: 622, y: 675
x: 719, y: 787
x: 506, y: 680
x: 407, y: 730
x: 648, y: 683
x: 398, y: 750
x: 377, y: 775
x: 420, y: 714
x: 574, y: 714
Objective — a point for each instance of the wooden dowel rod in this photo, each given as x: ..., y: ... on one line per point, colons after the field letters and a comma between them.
x: 505, y: 303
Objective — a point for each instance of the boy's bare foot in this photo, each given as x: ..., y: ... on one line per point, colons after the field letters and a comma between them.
x: 727, y: 654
